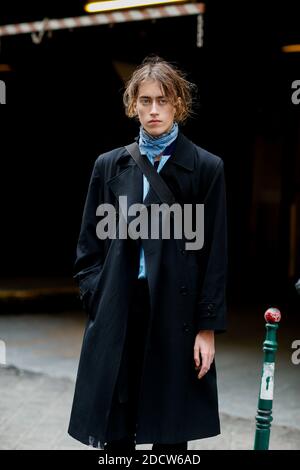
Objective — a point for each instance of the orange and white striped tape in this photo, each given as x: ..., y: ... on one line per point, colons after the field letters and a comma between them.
x: 103, y: 18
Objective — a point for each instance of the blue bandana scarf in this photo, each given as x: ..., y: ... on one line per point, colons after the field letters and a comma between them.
x: 153, y: 146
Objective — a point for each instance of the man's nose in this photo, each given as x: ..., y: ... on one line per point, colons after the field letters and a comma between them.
x: 153, y: 108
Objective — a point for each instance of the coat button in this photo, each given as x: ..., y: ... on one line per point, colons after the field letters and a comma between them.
x: 182, y: 251
x: 186, y: 327
x: 210, y: 309
x: 183, y: 290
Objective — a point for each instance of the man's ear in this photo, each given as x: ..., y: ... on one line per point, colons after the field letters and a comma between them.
x: 134, y: 107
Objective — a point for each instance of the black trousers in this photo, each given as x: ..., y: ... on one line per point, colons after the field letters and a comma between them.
x: 123, y: 415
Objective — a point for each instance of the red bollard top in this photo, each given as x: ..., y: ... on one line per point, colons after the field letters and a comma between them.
x: 272, y: 315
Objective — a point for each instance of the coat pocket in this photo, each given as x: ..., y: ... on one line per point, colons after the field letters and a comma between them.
x: 87, y: 289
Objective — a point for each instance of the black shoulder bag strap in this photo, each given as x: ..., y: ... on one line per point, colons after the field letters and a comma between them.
x: 158, y: 184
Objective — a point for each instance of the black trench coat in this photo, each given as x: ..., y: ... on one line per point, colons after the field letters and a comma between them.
x: 187, y: 294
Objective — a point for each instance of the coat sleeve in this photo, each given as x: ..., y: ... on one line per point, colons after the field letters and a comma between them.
x: 211, y: 311
x: 90, y: 249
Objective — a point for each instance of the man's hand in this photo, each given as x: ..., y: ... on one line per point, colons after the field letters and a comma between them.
x: 204, y: 351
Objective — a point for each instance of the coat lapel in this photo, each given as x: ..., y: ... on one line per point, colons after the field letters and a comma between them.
x: 128, y: 182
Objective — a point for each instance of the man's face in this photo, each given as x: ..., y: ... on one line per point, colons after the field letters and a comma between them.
x: 155, y: 111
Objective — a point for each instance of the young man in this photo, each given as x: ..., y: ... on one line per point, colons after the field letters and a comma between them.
x: 147, y: 370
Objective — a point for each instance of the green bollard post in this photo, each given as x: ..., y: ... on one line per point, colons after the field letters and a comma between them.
x: 265, y: 400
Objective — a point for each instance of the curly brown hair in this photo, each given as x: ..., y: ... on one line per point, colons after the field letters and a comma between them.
x: 173, y: 81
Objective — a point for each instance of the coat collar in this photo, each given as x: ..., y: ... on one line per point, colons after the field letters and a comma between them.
x: 129, y: 181
x: 182, y: 156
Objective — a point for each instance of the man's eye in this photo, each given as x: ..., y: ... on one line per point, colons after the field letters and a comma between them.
x: 163, y: 101
x: 145, y: 101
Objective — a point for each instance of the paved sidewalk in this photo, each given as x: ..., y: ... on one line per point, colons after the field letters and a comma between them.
x: 37, y: 384
x: 35, y: 408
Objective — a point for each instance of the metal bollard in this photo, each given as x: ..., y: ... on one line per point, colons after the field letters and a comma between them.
x: 265, y: 400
